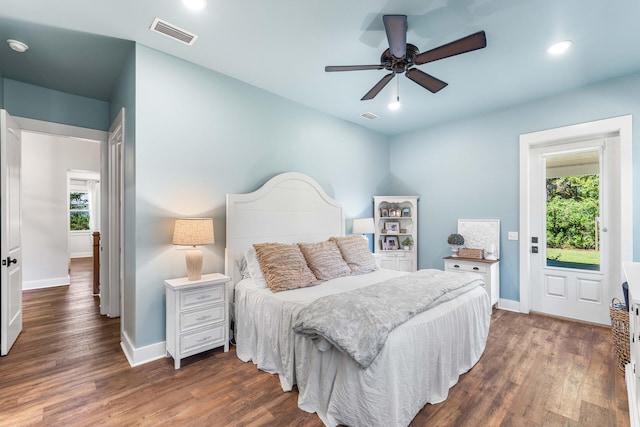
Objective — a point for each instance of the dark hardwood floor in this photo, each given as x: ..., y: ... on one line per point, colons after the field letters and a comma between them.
x: 67, y: 369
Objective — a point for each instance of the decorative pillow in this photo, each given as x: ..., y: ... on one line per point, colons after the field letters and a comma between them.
x: 325, y: 260
x: 284, y: 266
x: 356, y: 253
x: 253, y: 268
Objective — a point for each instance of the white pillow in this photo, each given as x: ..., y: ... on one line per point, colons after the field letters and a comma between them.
x: 253, y: 265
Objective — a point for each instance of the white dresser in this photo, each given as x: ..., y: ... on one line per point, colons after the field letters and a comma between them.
x: 197, y: 316
x: 488, y: 269
x: 632, y: 370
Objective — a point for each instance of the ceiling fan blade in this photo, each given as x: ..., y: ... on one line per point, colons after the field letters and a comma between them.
x: 396, y: 28
x: 425, y: 80
x: 466, y: 44
x: 330, y: 68
x: 378, y: 87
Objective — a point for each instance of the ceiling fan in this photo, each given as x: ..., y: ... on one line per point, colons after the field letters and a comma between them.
x: 401, y: 56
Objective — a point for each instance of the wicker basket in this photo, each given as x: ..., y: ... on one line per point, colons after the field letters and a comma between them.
x: 471, y: 253
x: 620, y: 331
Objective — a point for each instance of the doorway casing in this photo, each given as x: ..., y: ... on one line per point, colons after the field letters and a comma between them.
x: 617, y: 126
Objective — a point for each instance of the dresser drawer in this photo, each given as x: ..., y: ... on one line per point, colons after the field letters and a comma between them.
x: 201, y: 296
x: 198, y: 318
x: 200, y: 338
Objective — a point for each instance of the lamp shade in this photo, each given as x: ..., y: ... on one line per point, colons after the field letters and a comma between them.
x: 363, y: 226
x: 193, y: 231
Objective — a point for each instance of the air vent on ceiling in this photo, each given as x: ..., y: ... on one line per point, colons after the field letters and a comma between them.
x: 170, y: 30
x: 369, y: 116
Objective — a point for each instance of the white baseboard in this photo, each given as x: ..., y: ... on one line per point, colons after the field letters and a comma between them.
x: 630, y: 380
x: 45, y: 283
x: 509, y: 305
x: 81, y: 255
x: 142, y: 355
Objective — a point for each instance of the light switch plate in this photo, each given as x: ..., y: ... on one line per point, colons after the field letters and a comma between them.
x: 512, y: 235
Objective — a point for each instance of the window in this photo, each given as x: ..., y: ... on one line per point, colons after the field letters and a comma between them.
x: 573, y: 211
x: 78, y: 210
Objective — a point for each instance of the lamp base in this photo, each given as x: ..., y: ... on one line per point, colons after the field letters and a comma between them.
x: 194, y: 264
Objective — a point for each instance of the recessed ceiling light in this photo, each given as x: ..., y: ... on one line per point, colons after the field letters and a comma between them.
x: 18, y: 46
x: 195, y: 4
x: 559, y: 48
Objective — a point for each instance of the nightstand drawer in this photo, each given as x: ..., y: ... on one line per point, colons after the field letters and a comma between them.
x: 198, y: 318
x: 201, y: 296
x: 202, y: 338
x: 460, y: 266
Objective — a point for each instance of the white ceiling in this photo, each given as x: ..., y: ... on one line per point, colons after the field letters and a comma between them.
x: 283, y: 45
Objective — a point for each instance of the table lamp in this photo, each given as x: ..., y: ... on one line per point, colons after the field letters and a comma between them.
x: 192, y: 232
x: 363, y: 226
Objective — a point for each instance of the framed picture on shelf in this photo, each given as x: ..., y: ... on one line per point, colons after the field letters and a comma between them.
x: 406, y: 211
x: 391, y: 243
x: 392, y: 226
x: 384, y: 212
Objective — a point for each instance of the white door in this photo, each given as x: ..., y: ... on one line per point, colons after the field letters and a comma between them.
x: 10, y: 240
x: 111, y: 294
x: 570, y: 269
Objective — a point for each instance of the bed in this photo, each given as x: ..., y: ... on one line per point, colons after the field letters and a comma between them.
x: 420, y: 359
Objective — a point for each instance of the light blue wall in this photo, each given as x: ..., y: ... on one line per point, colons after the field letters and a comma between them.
x: 36, y: 102
x: 201, y: 135
x: 470, y: 168
x: 123, y: 96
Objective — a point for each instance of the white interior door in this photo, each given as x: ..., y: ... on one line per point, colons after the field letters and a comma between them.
x: 10, y: 239
x: 111, y: 296
x: 574, y: 283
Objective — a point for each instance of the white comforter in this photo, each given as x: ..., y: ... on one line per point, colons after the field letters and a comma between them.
x: 421, y: 360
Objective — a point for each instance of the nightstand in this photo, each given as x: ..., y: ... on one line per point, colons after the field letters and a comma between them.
x: 488, y: 269
x: 197, y: 316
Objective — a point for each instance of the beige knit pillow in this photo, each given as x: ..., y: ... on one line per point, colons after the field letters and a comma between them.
x: 356, y: 253
x: 284, y: 267
x: 325, y: 260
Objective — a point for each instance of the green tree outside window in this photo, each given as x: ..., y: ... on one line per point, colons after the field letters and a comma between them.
x: 78, y: 211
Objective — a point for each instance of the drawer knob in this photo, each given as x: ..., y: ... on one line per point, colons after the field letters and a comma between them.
x: 203, y: 339
x: 201, y: 297
x: 476, y: 268
x: 203, y: 317
x: 456, y: 266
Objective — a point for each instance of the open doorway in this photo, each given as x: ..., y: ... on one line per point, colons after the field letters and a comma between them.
x: 86, y: 163
x: 83, y: 190
x: 51, y: 231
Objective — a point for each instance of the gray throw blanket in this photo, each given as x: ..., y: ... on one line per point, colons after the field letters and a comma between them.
x: 358, y: 322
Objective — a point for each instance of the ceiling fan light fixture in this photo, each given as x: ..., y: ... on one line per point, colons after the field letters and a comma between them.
x: 394, y: 105
x: 195, y: 4
x: 18, y: 46
x: 559, y: 48
x: 401, y: 56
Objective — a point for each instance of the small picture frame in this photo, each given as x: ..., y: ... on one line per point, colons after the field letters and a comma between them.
x: 394, y: 212
x: 392, y: 226
x: 391, y: 243
x: 384, y: 212
x: 406, y: 211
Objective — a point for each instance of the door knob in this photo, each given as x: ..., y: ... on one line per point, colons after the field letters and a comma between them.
x: 9, y: 261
